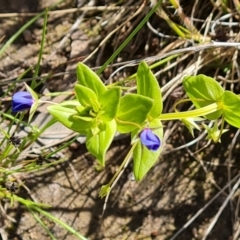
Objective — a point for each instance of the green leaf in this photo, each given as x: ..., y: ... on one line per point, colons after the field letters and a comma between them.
x: 87, y: 97
x: 202, y: 91
x: 231, y: 111
x: 144, y: 159
x: 35, y: 104
x: 29, y: 89
x: 109, y: 103
x: 98, y: 144
x: 214, y: 133
x: 86, y: 77
x: 33, y: 109
x: 132, y: 112
x: 147, y: 85
x: 65, y: 113
x: 105, y: 189
x: 190, y: 123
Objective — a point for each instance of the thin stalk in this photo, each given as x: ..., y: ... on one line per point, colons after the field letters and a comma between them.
x: 24, y: 27
x: 106, y: 189
x: 39, y: 220
x: 33, y: 84
x: 58, y: 221
x: 129, y: 38
x: 129, y: 155
x: 191, y: 114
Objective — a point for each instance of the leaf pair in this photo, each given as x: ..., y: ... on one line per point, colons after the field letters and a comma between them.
x: 147, y: 103
x: 92, y: 113
x: 147, y: 86
x: 203, y: 90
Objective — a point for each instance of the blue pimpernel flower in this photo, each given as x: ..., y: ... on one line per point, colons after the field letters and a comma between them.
x: 150, y: 140
x: 22, y: 101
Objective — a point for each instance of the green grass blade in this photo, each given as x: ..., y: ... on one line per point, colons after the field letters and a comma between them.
x: 58, y: 221
x: 129, y: 38
x: 16, y: 35
x: 23, y: 28
x: 42, y: 224
x: 33, y: 83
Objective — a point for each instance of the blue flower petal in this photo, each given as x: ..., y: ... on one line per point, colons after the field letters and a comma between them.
x: 150, y: 140
x: 22, y: 101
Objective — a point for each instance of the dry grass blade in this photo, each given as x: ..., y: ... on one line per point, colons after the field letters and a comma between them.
x: 69, y: 10
x: 207, y: 205
x: 215, y: 219
x: 173, y: 201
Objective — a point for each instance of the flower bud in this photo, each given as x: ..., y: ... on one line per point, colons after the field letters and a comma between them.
x: 150, y: 140
x: 22, y: 101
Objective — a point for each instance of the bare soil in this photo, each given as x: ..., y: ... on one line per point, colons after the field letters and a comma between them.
x: 177, y: 187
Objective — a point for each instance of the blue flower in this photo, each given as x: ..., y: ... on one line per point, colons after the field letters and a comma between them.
x: 150, y: 140
x: 22, y: 101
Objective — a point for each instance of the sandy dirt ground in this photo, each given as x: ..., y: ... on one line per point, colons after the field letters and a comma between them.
x: 172, y: 192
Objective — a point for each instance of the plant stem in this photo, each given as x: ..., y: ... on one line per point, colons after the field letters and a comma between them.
x: 127, y: 158
x: 191, y: 114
